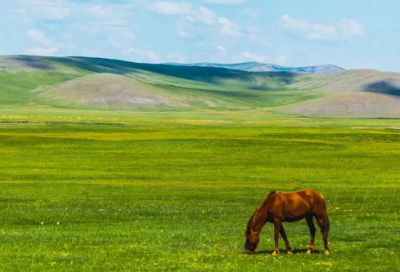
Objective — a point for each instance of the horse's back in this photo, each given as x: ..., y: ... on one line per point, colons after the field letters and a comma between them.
x: 313, y: 199
x: 317, y: 201
x: 308, y: 193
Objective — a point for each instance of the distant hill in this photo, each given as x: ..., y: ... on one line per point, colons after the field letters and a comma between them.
x: 362, y: 93
x: 99, y: 91
x: 115, y: 85
x: 267, y: 67
x: 62, y: 81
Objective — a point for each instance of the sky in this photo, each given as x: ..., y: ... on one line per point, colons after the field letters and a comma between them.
x: 348, y: 33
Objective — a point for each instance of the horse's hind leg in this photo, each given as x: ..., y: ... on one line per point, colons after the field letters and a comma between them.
x: 311, y: 226
x: 323, y: 222
x: 284, y: 237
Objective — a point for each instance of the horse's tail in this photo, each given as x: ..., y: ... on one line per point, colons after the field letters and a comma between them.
x: 325, y: 217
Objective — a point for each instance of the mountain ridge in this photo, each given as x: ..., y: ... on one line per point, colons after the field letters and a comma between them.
x: 105, y: 84
x: 267, y: 67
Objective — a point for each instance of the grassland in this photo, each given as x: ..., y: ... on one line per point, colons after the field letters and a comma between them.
x: 171, y: 186
x: 98, y: 191
x: 102, y: 84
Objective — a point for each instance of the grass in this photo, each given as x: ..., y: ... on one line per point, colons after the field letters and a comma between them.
x: 97, y: 191
x: 38, y: 82
x: 163, y: 189
x: 15, y: 87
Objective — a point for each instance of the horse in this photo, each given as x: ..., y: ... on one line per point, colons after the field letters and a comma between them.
x: 280, y: 207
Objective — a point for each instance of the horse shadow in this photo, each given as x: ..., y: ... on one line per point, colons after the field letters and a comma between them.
x: 295, y: 251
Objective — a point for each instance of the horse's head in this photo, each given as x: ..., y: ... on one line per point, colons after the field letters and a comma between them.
x: 252, y: 239
x: 255, y: 224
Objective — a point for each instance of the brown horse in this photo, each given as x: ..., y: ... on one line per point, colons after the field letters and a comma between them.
x: 288, y: 207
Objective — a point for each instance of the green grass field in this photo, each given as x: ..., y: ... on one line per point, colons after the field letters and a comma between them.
x: 98, y: 191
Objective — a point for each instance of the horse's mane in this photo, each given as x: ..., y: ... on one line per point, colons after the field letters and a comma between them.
x: 270, y: 194
x: 262, y: 204
x: 266, y: 199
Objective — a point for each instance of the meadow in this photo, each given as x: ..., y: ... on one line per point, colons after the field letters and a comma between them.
x: 98, y: 191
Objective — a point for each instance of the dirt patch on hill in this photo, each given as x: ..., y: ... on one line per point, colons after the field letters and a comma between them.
x: 351, y: 104
x: 108, y: 91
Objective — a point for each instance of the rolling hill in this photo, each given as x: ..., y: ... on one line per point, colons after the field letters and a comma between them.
x: 110, y: 91
x: 351, y: 93
x: 49, y: 81
x: 104, y: 84
x: 268, y: 67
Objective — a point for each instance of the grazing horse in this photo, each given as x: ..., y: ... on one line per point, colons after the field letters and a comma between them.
x: 281, y: 207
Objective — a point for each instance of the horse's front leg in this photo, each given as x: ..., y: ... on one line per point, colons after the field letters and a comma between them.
x: 284, y: 237
x: 277, y: 228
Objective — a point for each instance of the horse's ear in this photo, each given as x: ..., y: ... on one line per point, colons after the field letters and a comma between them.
x: 272, y: 192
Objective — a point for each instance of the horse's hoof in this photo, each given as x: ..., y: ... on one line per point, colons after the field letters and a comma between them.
x: 275, y: 253
x: 326, y: 252
x: 289, y: 252
x: 309, y: 251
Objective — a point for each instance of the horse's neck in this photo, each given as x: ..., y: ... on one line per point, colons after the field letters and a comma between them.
x: 259, y: 217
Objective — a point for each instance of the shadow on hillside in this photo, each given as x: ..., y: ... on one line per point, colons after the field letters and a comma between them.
x: 205, y: 74
x: 213, y: 75
x: 33, y: 62
x: 383, y: 87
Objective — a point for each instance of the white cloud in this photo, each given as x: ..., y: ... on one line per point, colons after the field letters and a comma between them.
x: 129, y: 35
x: 38, y: 37
x: 256, y: 35
x: 193, y: 14
x: 110, y: 24
x: 182, y: 28
x: 174, y: 57
x: 254, y: 13
x: 350, y: 27
x: 49, y: 9
x: 316, y: 31
x: 222, y: 50
x: 226, y: 2
x: 99, y: 11
x: 186, y: 27
x: 254, y: 57
x: 281, y: 59
x: 229, y: 28
x: 21, y: 15
x: 255, y: 29
x: 121, y: 39
x: 61, y: 9
x: 43, y: 51
x: 172, y: 8
x: 322, y: 32
x: 1, y: 50
x: 143, y: 56
x: 309, y: 30
x: 55, y: 13
x: 258, y: 39
x: 205, y: 16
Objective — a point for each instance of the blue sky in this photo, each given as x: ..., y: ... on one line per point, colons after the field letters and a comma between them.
x: 348, y: 33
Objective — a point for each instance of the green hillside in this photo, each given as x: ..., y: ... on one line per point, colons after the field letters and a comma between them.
x: 19, y: 75
x: 361, y: 93
x: 58, y: 82
x: 104, y: 84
